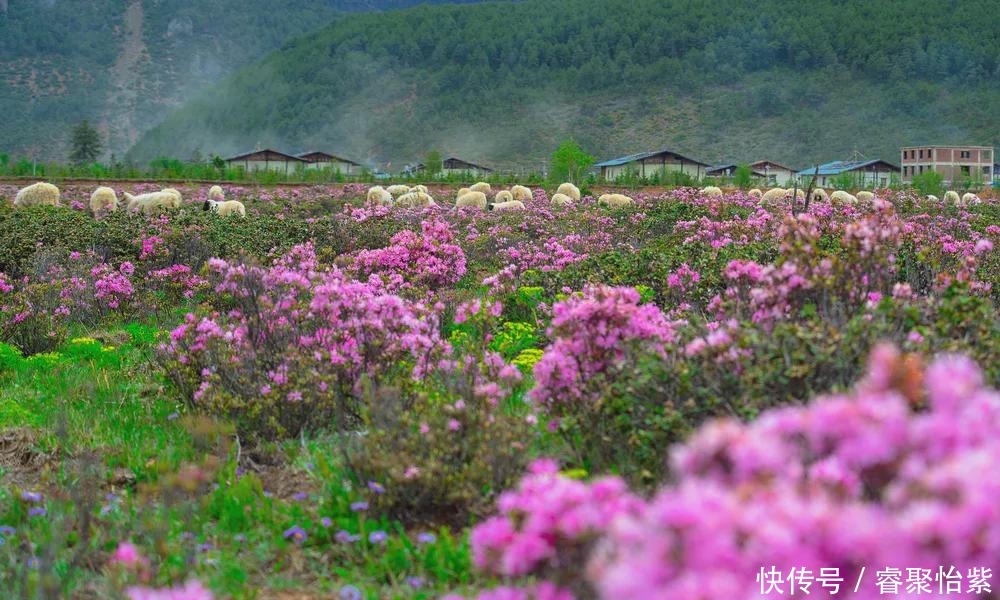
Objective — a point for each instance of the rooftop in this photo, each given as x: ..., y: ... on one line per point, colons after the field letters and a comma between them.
x: 624, y: 160
x: 842, y: 166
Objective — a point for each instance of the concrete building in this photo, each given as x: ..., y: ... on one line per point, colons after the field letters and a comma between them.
x: 324, y: 160
x: 774, y: 174
x: 863, y: 173
x: 954, y: 163
x: 457, y: 166
x: 267, y: 160
x: 649, y: 164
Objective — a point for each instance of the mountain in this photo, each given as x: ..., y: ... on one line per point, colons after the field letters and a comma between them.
x: 124, y: 64
x: 502, y: 83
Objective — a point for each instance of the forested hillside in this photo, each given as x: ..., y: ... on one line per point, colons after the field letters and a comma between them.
x: 500, y: 82
x: 125, y: 63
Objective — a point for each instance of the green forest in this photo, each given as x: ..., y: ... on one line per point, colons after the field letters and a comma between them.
x: 504, y: 82
x: 62, y: 62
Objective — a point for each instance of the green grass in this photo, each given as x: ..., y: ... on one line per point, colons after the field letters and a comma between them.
x: 92, y: 409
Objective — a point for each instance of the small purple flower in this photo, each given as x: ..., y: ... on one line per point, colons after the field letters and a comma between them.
x: 359, y: 506
x: 6, y: 530
x: 326, y: 522
x: 32, y: 563
x: 201, y: 548
x: 300, y: 496
x: 349, y: 592
x: 376, y: 487
x: 295, y: 533
x: 33, y: 497
x: 37, y: 511
x: 239, y: 538
x: 426, y: 538
x: 173, y: 416
x: 415, y: 582
x: 344, y: 537
x: 378, y: 537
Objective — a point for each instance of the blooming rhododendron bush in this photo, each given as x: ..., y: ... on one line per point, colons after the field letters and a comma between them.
x: 695, y: 396
x: 895, y: 474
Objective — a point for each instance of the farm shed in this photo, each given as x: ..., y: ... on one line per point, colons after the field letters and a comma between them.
x: 774, y: 174
x: 324, y: 160
x: 267, y: 160
x: 457, y: 166
x: 647, y: 164
x: 864, y: 173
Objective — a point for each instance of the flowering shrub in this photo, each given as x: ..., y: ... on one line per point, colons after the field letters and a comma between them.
x: 427, y: 261
x: 293, y: 348
x: 895, y: 474
x: 595, y: 335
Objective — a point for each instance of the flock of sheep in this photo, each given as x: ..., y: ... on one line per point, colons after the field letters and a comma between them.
x: 480, y: 195
x: 838, y: 196
x: 105, y: 200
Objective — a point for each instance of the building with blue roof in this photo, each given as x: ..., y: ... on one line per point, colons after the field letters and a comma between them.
x: 864, y: 173
x: 650, y: 164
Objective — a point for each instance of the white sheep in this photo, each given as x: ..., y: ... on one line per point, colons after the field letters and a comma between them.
x: 504, y: 196
x: 755, y: 193
x: 481, y: 186
x: 226, y: 207
x: 415, y: 200
x: 176, y: 193
x: 820, y: 195
x: 507, y: 205
x: 864, y: 196
x: 800, y: 194
x: 462, y: 192
x: 569, y: 190
x: 419, y: 188
x: 712, y: 191
x: 398, y: 190
x: 216, y: 193
x: 969, y: 198
x: 147, y: 203
x: 477, y: 199
x: 951, y: 197
x: 561, y: 200
x: 104, y: 199
x: 379, y: 195
x: 521, y: 193
x: 842, y: 197
x: 615, y: 201
x: 933, y: 198
x: 38, y: 194
x: 772, y: 195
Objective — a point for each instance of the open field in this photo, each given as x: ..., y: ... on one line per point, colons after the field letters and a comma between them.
x: 330, y: 398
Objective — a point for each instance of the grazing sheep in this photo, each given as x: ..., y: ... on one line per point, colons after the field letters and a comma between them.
x: 503, y: 196
x: 147, y: 203
x: 969, y: 198
x: 933, y: 198
x: 615, y: 201
x: 38, y: 194
x: 477, y: 199
x: 842, y: 197
x: 521, y: 193
x: 226, y: 207
x: 712, y: 191
x: 379, y: 195
x: 419, y: 188
x: 104, y: 199
x: 820, y: 195
x: 570, y: 190
x: 864, y: 196
x: 398, y: 190
x: 462, y: 192
x: 176, y: 193
x: 951, y: 197
x: 215, y: 193
x: 755, y: 193
x: 481, y: 186
x: 561, y: 200
x: 507, y: 205
x: 800, y: 194
x: 415, y: 200
x: 772, y: 195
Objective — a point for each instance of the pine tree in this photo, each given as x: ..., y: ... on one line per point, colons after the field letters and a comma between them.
x: 85, y: 143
